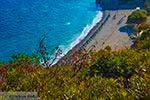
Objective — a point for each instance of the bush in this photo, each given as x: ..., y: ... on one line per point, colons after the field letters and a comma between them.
x: 137, y: 17
x: 147, y: 6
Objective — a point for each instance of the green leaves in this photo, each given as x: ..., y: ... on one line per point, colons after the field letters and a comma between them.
x: 147, y: 6
x: 137, y: 17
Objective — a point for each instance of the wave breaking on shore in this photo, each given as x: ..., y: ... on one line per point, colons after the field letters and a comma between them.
x: 87, y: 29
x: 84, y: 33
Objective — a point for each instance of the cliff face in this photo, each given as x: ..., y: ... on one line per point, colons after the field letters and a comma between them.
x: 119, y: 3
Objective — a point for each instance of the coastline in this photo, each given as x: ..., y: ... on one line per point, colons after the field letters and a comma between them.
x: 107, y: 32
x: 115, y: 33
x: 90, y: 35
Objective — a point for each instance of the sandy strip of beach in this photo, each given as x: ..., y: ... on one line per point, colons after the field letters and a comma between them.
x: 105, y: 33
x: 111, y: 34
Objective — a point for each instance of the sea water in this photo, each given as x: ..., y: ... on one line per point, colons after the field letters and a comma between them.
x: 63, y: 22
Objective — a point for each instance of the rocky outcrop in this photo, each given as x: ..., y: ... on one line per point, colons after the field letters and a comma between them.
x: 120, y: 3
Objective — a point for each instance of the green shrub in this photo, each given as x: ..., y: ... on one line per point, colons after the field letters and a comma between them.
x: 147, y: 6
x: 137, y: 17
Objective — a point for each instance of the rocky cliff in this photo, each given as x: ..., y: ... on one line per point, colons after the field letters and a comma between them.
x: 120, y: 3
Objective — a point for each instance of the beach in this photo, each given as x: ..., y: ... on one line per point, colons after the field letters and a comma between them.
x: 114, y: 32
x: 111, y: 31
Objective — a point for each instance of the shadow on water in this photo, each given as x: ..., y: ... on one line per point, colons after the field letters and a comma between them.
x: 123, y: 6
x: 127, y: 29
x: 94, y: 7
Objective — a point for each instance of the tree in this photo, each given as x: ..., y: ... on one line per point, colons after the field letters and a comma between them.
x: 137, y: 17
x: 147, y: 6
x: 47, y: 61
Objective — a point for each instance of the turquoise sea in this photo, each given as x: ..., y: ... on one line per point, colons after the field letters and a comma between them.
x: 24, y: 22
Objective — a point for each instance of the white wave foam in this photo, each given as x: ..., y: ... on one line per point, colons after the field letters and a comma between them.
x: 84, y: 33
x: 86, y: 30
x: 68, y: 23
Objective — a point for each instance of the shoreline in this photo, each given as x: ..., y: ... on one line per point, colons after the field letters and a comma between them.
x: 92, y: 32
x: 115, y: 33
x: 84, y: 42
x: 109, y: 31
